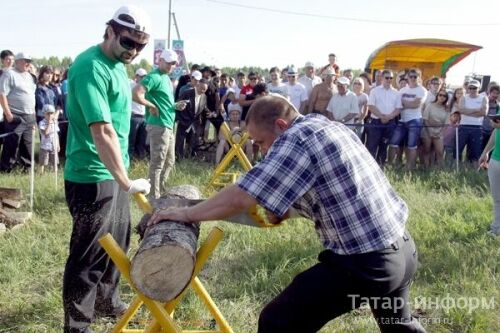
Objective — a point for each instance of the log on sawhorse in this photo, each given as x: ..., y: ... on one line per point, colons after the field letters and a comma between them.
x: 163, y: 320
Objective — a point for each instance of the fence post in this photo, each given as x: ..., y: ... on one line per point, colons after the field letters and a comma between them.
x: 32, y: 173
x: 457, y: 158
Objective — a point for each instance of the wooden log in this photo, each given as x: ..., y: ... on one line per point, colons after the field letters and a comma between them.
x: 11, y: 203
x: 11, y: 219
x: 11, y: 193
x: 164, y: 263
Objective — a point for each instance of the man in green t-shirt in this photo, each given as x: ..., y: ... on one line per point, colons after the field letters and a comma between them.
x: 156, y: 93
x: 493, y: 167
x: 96, y: 180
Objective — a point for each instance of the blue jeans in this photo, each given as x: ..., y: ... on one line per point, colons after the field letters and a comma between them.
x: 470, y: 136
x: 377, y: 138
x: 409, y: 130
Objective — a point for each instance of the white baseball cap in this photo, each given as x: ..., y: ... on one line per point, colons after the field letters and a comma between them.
x: 22, y: 56
x: 141, y: 72
x: 141, y: 20
x: 309, y: 64
x: 169, y: 55
x: 291, y: 72
x: 343, y: 80
x: 196, y: 75
x: 474, y: 83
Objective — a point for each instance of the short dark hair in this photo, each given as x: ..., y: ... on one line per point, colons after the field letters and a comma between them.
x: 274, y: 69
x: 494, y: 88
x: 387, y: 72
x: 252, y: 74
x: 264, y: 111
x: 195, y: 67
x: 240, y: 74
x: 332, y: 55
x: 260, y: 88
x: 6, y: 53
x: 203, y: 81
x: 415, y: 71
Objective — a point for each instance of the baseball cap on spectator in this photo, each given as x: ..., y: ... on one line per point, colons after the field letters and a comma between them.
x: 196, y: 75
x: 233, y: 107
x: 48, y: 108
x: 343, y: 81
x: 22, y: 56
x: 474, y: 83
x: 141, y: 20
x: 169, y: 55
x: 141, y: 72
x: 291, y: 72
x: 309, y: 64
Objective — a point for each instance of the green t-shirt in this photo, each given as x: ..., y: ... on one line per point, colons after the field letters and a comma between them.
x: 98, y: 91
x: 159, y: 92
x: 496, y: 151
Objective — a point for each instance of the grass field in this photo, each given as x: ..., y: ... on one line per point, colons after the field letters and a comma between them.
x: 456, y: 288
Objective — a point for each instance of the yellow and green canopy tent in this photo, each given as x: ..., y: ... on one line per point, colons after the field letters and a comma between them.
x: 431, y: 56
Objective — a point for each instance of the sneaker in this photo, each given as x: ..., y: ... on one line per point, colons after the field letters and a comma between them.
x: 113, y: 313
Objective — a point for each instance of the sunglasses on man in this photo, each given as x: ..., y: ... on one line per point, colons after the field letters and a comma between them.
x: 129, y: 44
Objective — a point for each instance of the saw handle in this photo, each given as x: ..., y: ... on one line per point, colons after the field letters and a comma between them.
x: 143, y: 203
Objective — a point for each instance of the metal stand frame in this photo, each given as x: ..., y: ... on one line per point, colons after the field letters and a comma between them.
x: 235, y: 151
x: 163, y: 320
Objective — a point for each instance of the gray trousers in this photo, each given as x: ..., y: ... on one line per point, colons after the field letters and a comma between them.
x: 494, y: 177
x: 162, y: 152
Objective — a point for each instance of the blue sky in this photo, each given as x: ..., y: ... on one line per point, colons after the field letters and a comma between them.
x: 225, y: 35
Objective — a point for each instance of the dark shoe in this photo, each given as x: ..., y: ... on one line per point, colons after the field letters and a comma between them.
x: 114, y: 313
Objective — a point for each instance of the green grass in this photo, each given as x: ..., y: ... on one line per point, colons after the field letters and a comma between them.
x: 449, y: 216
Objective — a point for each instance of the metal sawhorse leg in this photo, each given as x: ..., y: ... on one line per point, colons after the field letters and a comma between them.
x: 163, y: 313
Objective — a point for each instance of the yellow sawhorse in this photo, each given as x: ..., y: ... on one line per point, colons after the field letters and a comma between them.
x: 163, y: 313
x: 235, y: 150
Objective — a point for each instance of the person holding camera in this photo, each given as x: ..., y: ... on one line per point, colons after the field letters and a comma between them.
x: 189, y: 120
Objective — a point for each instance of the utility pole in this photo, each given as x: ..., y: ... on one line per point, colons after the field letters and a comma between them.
x: 169, y: 21
x: 178, y: 35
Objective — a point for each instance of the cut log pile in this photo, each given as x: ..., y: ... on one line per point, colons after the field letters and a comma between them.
x: 11, y: 200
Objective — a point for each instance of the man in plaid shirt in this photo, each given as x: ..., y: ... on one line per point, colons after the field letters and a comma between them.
x: 322, y: 170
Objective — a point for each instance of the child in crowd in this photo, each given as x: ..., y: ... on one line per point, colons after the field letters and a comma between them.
x: 237, y: 127
x: 49, y: 142
x: 449, y: 137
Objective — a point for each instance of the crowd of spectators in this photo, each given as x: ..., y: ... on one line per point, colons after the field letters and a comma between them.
x: 396, y: 115
x: 30, y: 99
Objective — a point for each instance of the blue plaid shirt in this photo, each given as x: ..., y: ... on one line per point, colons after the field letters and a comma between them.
x: 322, y: 169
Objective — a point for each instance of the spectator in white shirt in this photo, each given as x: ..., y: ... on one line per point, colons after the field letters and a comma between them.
x: 296, y: 91
x: 343, y: 106
x: 309, y: 80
